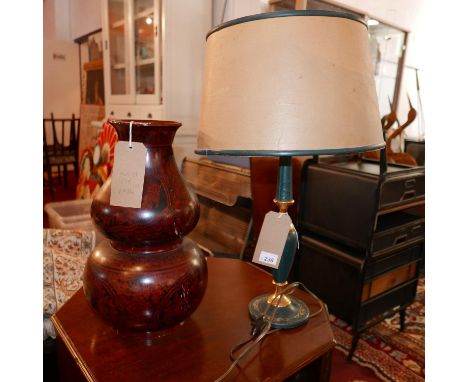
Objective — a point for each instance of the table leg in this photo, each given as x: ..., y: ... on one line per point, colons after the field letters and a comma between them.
x: 402, y: 319
x: 325, y: 370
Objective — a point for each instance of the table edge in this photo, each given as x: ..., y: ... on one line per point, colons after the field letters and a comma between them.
x: 72, y: 349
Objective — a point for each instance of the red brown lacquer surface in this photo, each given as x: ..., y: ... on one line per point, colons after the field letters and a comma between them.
x: 147, y: 277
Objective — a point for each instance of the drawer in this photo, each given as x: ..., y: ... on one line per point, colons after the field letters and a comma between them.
x: 338, y: 205
x: 331, y: 273
x: 394, y: 229
x: 389, y: 280
x: 401, y: 190
x: 120, y: 111
x: 400, y: 296
x: 382, y: 264
x: 154, y: 112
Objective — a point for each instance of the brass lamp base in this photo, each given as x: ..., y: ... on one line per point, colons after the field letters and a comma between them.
x: 292, y: 315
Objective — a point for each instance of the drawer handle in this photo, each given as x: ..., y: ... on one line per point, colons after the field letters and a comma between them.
x: 112, y: 112
x: 129, y: 114
x: 400, y: 239
x: 410, y: 183
x: 416, y: 227
x: 150, y: 115
x: 408, y: 194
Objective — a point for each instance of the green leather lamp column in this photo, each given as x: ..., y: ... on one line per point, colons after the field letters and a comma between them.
x: 284, y: 198
x: 288, y: 311
x: 285, y: 84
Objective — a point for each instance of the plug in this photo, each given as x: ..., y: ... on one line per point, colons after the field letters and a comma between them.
x: 258, y: 325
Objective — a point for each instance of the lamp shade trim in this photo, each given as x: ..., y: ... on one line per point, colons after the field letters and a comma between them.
x: 270, y: 15
x: 275, y: 153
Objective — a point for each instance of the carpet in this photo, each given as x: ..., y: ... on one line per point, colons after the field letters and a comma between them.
x: 392, y: 355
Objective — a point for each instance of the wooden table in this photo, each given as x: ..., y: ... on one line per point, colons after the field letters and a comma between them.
x: 198, y: 349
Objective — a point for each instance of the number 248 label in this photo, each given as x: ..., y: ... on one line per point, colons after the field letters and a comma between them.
x: 268, y: 258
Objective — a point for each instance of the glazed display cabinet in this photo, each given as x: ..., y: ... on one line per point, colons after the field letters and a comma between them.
x: 132, y: 54
x: 153, y: 52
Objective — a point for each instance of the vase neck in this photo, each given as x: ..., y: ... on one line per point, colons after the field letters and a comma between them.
x: 150, y: 133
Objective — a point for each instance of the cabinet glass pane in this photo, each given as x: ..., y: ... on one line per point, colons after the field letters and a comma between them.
x: 117, y: 48
x: 145, y: 33
x: 386, y: 47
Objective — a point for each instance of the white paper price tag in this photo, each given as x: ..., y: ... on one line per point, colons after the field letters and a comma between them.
x: 272, y: 238
x: 268, y: 258
x: 128, y: 174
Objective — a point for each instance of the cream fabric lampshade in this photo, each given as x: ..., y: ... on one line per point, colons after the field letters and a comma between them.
x: 289, y: 83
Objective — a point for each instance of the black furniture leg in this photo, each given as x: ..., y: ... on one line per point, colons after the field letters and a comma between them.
x: 50, y: 182
x: 59, y: 171
x: 65, y: 178
x: 402, y: 319
x: 353, y: 345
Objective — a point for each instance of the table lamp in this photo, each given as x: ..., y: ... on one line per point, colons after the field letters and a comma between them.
x: 284, y: 84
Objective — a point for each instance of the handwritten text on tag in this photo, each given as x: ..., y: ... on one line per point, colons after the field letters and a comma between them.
x: 128, y: 174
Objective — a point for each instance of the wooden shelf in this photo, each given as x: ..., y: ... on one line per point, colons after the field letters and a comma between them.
x: 145, y: 13
x: 118, y: 24
x: 93, y: 65
x: 118, y: 66
x: 144, y: 61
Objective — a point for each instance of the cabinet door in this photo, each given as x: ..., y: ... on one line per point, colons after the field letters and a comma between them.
x: 146, y: 59
x: 118, y: 75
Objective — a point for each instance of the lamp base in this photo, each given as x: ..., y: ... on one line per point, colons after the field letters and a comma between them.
x: 286, y: 317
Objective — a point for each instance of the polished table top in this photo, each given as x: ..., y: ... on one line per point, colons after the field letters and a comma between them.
x: 198, y: 349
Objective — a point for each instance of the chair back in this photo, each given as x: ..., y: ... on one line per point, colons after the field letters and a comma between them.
x: 61, y: 136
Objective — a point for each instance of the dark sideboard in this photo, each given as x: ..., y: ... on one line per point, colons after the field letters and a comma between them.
x: 361, y: 249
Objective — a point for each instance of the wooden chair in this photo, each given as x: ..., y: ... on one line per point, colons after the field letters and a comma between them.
x: 61, y: 152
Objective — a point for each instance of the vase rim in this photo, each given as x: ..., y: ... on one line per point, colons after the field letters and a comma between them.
x: 145, y: 122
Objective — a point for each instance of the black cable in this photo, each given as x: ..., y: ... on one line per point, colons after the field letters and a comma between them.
x: 263, y: 323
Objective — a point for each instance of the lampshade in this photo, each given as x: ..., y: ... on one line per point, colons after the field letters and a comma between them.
x: 289, y: 83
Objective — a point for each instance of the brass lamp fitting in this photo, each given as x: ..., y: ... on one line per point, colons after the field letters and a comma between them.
x: 280, y: 301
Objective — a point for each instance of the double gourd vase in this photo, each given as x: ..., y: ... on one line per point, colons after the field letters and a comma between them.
x: 147, y: 276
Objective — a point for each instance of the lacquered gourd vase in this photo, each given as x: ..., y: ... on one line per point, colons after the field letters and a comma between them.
x: 147, y: 276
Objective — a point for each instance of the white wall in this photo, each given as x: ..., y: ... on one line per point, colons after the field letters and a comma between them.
x: 67, y: 20
x: 407, y: 15
x: 61, y: 76
x: 48, y: 23
x: 63, y: 21
x: 56, y: 20
x: 236, y: 8
x: 185, y: 24
x: 85, y: 17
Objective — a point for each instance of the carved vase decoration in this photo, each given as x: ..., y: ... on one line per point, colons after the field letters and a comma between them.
x: 147, y: 276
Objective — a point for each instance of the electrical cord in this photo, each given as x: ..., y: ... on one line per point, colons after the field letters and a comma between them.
x: 262, y: 325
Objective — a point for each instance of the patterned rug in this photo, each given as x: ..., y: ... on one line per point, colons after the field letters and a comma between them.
x: 391, y: 354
